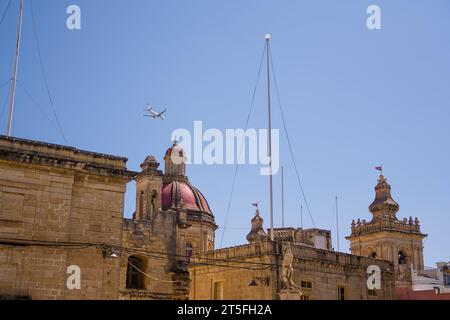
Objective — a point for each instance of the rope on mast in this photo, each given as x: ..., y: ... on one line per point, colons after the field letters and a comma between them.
x: 40, y: 108
x: 240, y: 149
x: 44, y: 75
x: 5, y: 12
x: 289, y: 142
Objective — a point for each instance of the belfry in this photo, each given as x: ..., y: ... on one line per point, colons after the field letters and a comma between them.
x: 386, y: 237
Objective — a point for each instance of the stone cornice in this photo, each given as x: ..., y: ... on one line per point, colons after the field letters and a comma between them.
x: 62, y: 157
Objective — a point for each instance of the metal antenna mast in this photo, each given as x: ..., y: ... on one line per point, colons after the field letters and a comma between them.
x: 270, y: 136
x: 14, y: 77
x: 282, y: 196
x: 337, y: 223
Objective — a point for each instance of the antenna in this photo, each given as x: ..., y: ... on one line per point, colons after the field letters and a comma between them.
x: 270, y: 136
x: 14, y: 77
x: 301, y: 216
x: 337, y: 223
x: 282, y: 196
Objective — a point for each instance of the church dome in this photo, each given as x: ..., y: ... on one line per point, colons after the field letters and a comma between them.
x: 183, y: 195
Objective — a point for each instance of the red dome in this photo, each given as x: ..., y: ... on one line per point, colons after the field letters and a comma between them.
x: 193, y: 199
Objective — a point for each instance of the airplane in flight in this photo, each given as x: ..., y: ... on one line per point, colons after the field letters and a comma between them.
x: 153, y: 114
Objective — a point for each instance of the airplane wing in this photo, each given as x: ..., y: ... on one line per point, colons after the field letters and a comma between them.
x: 161, y: 116
x: 163, y: 111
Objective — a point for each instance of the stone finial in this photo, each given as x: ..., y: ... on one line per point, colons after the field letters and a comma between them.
x: 410, y: 221
x: 358, y: 222
x: 416, y: 221
x: 383, y: 204
x: 353, y: 223
x: 150, y: 165
x: 257, y: 232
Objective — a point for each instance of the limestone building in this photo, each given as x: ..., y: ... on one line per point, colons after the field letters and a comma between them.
x: 388, y: 238
x: 62, y: 231
x: 258, y: 270
x: 63, y: 236
x: 60, y: 209
x: 172, y: 222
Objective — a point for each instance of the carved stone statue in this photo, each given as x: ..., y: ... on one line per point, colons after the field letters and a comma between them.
x: 287, y: 270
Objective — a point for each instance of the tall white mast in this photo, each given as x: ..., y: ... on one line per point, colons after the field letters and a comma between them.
x: 282, y: 196
x: 270, y: 136
x: 14, y: 76
x: 337, y: 224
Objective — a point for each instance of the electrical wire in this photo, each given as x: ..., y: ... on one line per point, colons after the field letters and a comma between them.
x: 143, y: 252
x: 5, y: 83
x: 151, y: 277
x: 5, y: 103
x: 36, y: 104
x: 289, y: 140
x: 44, y: 75
x: 5, y: 12
x: 240, y: 148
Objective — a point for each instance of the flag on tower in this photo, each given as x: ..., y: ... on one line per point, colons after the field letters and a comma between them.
x: 255, y: 204
x: 379, y: 168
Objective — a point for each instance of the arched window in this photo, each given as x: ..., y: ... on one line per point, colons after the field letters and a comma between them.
x: 188, y: 251
x: 135, y: 277
x: 153, y: 201
x: 140, y: 215
x: 401, y: 258
x: 373, y: 255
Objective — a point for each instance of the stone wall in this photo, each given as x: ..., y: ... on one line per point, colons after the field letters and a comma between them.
x: 324, y: 270
x: 58, y: 205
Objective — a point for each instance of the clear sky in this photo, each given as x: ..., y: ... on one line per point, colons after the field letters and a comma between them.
x: 353, y: 97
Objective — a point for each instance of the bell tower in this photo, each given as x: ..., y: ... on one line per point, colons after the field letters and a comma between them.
x: 175, y: 161
x: 385, y: 236
x: 149, y: 183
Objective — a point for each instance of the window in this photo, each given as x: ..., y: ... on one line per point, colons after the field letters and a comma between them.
x: 401, y: 258
x: 341, y: 293
x: 372, y: 293
x: 141, y: 206
x: 153, y: 201
x: 305, y: 297
x: 447, y: 279
x: 306, y: 284
x: 373, y: 255
x: 135, y: 277
x: 188, y: 251
x: 218, y: 291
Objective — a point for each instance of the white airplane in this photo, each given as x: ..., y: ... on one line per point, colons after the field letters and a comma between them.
x: 153, y: 114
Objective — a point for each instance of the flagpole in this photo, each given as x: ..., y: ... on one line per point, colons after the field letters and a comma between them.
x: 270, y: 137
x: 337, y: 224
x: 14, y: 77
x: 282, y: 196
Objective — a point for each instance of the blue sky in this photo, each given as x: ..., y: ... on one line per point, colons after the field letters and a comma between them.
x: 353, y: 98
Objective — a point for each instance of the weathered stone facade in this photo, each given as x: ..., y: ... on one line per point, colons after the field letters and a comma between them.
x: 62, y: 207
x: 388, y: 238
x: 319, y: 274
x: 58, y: 205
